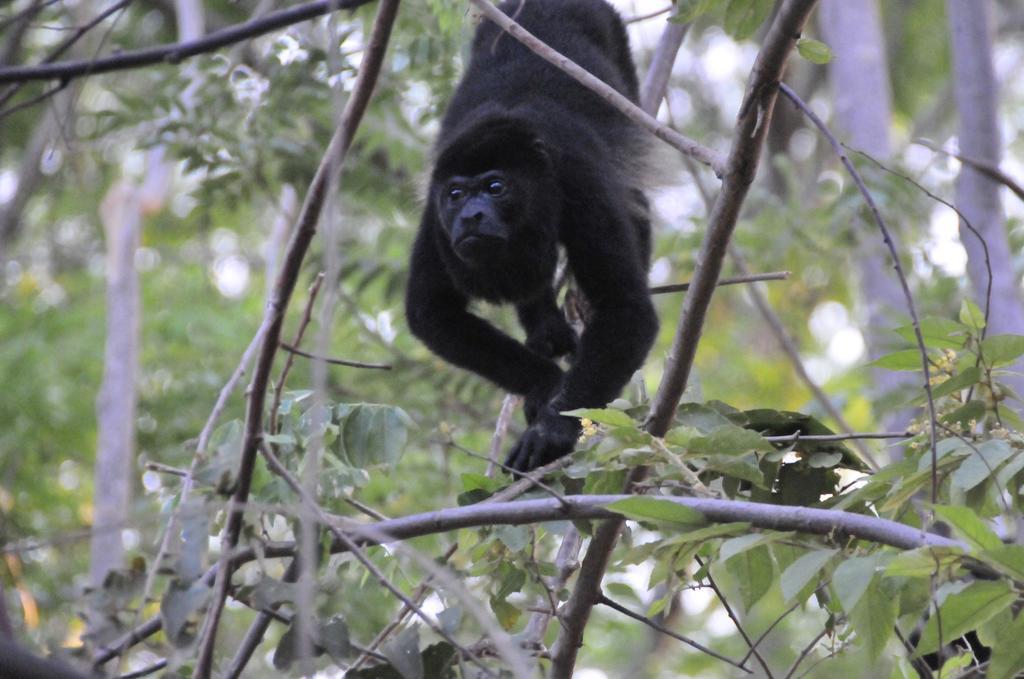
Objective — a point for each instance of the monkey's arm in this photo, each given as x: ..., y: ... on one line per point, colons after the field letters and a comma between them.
x: 437, y: 314
x: 606, y: 260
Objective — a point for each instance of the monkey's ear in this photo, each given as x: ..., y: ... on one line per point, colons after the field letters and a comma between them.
x: 543, y: 152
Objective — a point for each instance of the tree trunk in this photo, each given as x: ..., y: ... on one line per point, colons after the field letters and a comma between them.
x: 860, y: 82
x: 977, y: 196
x: 115, y: 406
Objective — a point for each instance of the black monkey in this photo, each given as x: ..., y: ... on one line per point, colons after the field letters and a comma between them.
x: 528, y: 159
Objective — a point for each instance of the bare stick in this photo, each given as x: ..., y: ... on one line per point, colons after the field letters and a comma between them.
x: 64, y: 46
x: 897, y: 266
x: 333, y: 361
x: 307, y: 314
x: 991, y: 171
x: 604, y: 600
x: 508, y: 407
x: 733, y: 280
x: 735, y: 621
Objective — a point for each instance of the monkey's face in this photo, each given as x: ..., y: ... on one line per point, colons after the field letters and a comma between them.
x: 480, y: 214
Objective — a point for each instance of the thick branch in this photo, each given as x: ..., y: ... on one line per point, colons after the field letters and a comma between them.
x: 740, y: 167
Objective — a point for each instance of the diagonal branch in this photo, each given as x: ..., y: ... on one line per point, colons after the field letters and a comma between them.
x: 688, y: 146
x: 740, y: 167
x: 326, y: 177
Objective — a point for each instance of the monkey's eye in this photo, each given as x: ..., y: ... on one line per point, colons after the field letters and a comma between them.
x: 496, y: 187
x: 455, y: 193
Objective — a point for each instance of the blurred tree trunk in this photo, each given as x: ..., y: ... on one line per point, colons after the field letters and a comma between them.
x: 115, y: 406
x: 860, y: 83
x: 124, y: 209
x: 977, y: 196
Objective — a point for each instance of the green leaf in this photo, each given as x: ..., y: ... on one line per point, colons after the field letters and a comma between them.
x: 803, y: 570
x: 717, y: 530
x: 906, y: 360
x: 643, y: 508
x: 753, y: 572
x: 179, y: 606
x: 736, y: 546
x: 608, y: 416
x: 962, y: 380
x: 514, y: 537
x: 688, y: 10
x: 1000, y: 350
x: 743, y: 17
x: 730, y: 440
x: 814, y: 51
x: 1008, y: 651
x: 403, y: 652
x: 334, y: 638
x: 701, y: 417
x: 1007, y: 559
x: 969, y: 527
x: 937, y: 332
x: 852, y: 577
x: 374, y: 434
x: 963, y: 611
x: 971, y: 316
x: 874, y: 616
x: 923, y: 562
x: 506, y: 613
x: 981, y: 464
x: 473, y: 481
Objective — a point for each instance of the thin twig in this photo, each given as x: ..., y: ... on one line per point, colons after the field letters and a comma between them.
x: 853, y: 436
x: 307, y: 313
x: 897, y: 266
x: 664, y: 630
x: 333, y: 361
x: 733, y: 280
x: 963, y: 218
x: 805, y: 652
x: 991, y: 171
x: 508, y: 407
x: 735, y: 620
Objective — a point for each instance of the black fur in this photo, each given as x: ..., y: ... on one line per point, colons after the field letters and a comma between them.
x: 528, y: 159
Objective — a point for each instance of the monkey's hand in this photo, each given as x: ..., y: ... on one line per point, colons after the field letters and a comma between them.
x: 553, y: 338
x: 548, y: 438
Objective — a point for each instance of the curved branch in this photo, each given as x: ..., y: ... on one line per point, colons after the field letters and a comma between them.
x: 176, y: 52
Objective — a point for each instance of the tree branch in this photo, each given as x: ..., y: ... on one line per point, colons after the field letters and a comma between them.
x: 326, y: 176
x: 739, y: 169
x: 179, y: 51
x: 688, y: 146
